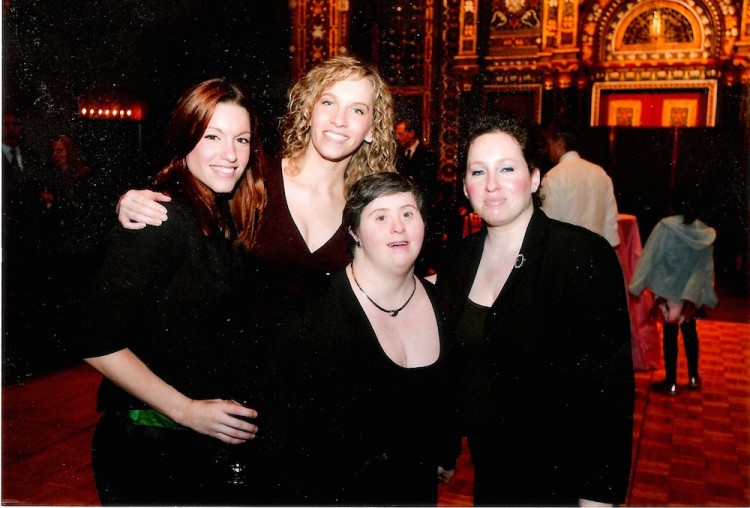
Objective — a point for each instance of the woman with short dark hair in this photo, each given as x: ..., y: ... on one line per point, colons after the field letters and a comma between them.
x: 362, y: 372
x: 538, y: 330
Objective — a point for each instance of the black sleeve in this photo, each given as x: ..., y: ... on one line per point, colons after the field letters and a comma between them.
x: 137, y: 267
x: 607, y: 414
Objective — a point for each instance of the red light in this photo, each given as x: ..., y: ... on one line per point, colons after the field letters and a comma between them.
x: 106, y: 109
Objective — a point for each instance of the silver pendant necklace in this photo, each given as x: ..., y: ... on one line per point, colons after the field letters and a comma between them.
x: 393, y: 313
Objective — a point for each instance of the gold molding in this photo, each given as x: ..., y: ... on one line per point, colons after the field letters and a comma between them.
x: 710, y: 86
x: 684, y: 111
x: 624, y: 113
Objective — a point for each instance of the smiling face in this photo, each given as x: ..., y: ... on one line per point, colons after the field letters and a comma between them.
x: 391, y: 231
x: 498, y: 181
x: 341, y: 119
x: 223, y: 151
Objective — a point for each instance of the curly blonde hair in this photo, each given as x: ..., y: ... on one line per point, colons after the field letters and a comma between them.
x: 371, y: 157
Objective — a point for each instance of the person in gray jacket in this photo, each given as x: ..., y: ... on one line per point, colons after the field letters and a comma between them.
x: 677, y: 266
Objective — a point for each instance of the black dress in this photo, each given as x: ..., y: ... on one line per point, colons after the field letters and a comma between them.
x: 370, y: 432
x: 179, y: 301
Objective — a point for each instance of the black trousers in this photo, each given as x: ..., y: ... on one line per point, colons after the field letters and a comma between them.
x: 140, y: 465
x: 690, y: 341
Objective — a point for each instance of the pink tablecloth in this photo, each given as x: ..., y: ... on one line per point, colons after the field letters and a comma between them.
x: 645, y: 337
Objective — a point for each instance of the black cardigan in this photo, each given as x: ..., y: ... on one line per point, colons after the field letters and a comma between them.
x: 182, y: 303
x: 547, y: 396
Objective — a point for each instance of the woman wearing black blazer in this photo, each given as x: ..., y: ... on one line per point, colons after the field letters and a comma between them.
x: 538, y: 328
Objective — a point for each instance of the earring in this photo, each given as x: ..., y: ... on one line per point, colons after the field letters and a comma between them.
x: 359, y: 243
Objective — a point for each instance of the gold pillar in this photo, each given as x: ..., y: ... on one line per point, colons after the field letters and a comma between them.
x: 320, y: 29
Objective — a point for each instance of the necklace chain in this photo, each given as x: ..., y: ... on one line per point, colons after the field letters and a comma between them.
x: 393, y: 313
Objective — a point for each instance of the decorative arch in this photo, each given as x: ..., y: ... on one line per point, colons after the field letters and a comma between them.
x: 660, y: 24
x: 660, y: 30
x: 607, y: 26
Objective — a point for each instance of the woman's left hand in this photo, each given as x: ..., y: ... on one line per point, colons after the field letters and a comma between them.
x: 221, y: 419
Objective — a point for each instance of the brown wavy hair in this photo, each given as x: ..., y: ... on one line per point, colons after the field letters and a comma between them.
x: 189, y: 121
x: 374, y: 157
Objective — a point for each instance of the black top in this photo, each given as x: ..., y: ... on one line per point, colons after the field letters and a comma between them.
x: 547, y: 389
x: 178, y: 300
x: 372, y: 431
x: 422, y: 169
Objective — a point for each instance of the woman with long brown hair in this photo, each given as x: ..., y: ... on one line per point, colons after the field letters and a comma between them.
x: 166, y: 321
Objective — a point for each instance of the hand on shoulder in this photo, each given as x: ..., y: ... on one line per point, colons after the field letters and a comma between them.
x: 139, y: 208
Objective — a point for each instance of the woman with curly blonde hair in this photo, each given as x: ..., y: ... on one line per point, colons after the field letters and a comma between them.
x: 371, y: 156
x: 338, y: 127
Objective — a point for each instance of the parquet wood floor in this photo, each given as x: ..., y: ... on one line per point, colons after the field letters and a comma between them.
x: 689, y: 450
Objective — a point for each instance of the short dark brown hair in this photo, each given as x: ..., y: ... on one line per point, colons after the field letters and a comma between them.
x: 368, y: 188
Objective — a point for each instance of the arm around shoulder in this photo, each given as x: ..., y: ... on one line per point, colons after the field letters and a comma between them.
x: 138, y: 208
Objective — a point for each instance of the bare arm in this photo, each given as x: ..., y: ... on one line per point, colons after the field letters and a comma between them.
x: 138, y: 208
x: 216, y: 418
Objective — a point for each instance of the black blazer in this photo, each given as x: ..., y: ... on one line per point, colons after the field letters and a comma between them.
x: 422, y: 168
x: 547, y: 394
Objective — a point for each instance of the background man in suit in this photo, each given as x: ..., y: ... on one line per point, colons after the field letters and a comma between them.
x: 415, y: 160
x: 420, y: 164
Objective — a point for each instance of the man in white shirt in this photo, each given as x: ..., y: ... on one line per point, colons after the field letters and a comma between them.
x: 578, y: 191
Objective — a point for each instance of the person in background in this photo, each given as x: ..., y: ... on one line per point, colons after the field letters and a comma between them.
x: 338, y: 127
x: 419, y: 163
x: 677, y: 266
x: 24, y: 251
x: 71, y: 196
x: 20, y: 169
x: 416, y: 160
x: 538, y: 332
x: 169, y: 323
x: 576, y: 190
x: 362, y: 371
x: 19, y: 181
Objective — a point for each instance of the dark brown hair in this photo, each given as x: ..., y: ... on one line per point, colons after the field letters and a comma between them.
x: 526, y: 133
x: 370, y: 187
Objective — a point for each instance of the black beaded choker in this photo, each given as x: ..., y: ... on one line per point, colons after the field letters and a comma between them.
x: 393, y: 313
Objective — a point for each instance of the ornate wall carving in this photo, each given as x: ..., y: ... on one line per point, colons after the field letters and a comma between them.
x: 658, y: 39
x: 320, y: 30
x: 455, y: 44
x: 447, y: 58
